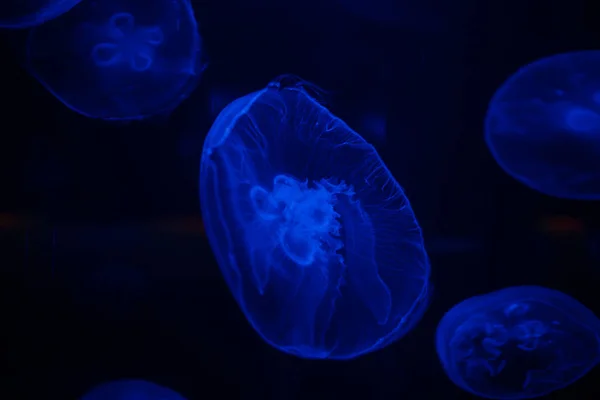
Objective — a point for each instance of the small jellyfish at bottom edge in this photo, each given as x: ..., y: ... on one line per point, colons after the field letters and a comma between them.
x: 131, y: 389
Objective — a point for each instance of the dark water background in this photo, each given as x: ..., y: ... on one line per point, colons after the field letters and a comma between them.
x: 106, y: 273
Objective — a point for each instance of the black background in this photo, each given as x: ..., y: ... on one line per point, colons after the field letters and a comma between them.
x: 105, y: 270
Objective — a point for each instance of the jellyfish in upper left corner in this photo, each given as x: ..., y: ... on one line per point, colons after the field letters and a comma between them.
x: 543, y: 125
x: 119, y: 59
x: 131, y: 389
x: 518, y: 343
x: 317, y: 241
x: 19, y: 14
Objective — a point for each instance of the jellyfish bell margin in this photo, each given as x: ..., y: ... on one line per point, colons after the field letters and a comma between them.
x: 315, y: 238
x: 22, y: 14
x: 119, y: 60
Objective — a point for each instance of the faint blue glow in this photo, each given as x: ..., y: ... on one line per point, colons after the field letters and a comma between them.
x: 414, y: 15
x: 374, y: 126
x: 115, y: 289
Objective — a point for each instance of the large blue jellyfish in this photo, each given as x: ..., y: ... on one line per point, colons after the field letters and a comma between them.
x: 316, y: 240
x: 131, y: 390
x: 543, y: 125
x: 15, y: 14
x: 119, y: 59
x: 517, y: 343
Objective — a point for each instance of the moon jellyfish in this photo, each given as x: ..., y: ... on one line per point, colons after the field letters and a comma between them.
x: 131, y: 390
x: 119, y: 60
x: 316, y: 240
x: 543, y: 125
x: 27, y: 13
x: 516, y: 343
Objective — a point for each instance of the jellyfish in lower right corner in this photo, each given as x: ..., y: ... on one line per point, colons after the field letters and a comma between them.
x: 119, y: 59
x: 543, y: 125
x: 518, y: 343
x: 131, y: 389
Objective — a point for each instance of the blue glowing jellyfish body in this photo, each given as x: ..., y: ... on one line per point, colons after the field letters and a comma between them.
x: 317, y: 241
x: 17, y: 14
x: 543, y: 125
x: 119, y: 60
x: 516, y: 343
x: 131, y: 390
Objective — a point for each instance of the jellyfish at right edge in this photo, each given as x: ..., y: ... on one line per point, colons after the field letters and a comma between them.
x: 518, y: 343
x: 317, y: 241
x: 543, y: 125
